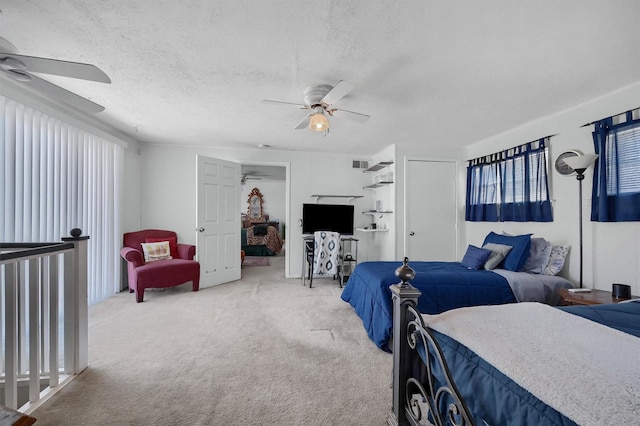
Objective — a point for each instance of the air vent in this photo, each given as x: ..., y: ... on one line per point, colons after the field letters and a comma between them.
x: 357, y: 164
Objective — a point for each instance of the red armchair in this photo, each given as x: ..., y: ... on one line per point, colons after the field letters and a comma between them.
x: 160, y: 273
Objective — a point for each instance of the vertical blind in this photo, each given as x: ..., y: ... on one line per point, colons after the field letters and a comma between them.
x: 56, y: 177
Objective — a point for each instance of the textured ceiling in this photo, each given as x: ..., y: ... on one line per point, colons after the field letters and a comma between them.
x: 442, y: 72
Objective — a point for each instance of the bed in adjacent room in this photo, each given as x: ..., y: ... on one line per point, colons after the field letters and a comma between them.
x: 525, y: 363
x: 260, y: 240
x: 450, y: 285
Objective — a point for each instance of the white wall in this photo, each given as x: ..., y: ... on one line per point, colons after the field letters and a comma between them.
x: 168, y: 188
x: 131, y: 214
x: 611, y: 250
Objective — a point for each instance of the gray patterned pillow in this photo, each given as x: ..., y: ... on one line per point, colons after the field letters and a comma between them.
x: 538, y: 256
x: 556, y: 260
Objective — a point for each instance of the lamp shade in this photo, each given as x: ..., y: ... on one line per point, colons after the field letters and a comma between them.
x: 580, y: 163
x: 319, y: 122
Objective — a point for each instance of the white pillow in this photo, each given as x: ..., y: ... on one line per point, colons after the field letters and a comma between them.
x: 156, y: 251
x: 556, y: 260
x: 498, y: 253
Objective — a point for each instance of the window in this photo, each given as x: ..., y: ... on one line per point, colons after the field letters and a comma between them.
x: 482, y: 192
x: 509, y: 186
x: 56, y: 177
x: 616, y: 181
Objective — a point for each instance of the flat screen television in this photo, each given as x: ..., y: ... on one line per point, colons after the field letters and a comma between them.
x: 327, y: 217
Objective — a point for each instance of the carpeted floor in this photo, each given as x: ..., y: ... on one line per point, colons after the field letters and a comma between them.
x: 260, y: 351
x: 256, y: 261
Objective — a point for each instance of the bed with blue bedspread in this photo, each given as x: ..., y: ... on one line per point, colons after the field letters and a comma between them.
x: 444, y: 286
x: 528, y: 363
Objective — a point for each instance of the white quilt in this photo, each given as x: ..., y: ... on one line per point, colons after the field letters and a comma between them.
x: 587, y: 371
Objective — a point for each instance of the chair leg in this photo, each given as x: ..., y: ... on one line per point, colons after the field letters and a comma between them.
x: 305, y: 274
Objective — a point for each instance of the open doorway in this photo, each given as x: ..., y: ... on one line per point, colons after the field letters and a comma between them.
x: 271, y: 181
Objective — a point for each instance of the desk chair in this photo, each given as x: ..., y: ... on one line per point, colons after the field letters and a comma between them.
x: 324, y: 256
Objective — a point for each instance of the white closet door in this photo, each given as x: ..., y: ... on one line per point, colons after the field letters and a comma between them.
x: 431, y: 226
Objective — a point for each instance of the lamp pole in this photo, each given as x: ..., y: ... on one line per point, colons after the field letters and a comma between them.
x: 579, y: 164
x: 580, y: 177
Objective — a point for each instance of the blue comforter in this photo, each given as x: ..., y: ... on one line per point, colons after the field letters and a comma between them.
x: 444, y: 286
x: 622, y: 316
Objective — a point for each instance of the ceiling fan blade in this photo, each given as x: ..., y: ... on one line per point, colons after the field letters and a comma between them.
x: 338, y: 92
x: 60, y: 94
x: 354, y: 116
x: 61, y: 68
x: 304, y: 123
x: 269, y: 101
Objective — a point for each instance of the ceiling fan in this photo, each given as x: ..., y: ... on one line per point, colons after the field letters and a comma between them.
x: 320, y: 99
x: 246, y: 177
x: 21, y: 67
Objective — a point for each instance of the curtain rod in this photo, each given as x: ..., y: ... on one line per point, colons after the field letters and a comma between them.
x: 508, y: 149
x: 614, y: 115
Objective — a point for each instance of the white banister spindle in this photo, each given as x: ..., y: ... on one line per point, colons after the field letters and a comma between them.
x: 76, y: 327
x: 44, y: 313
x: 54, y: 329
x: 23, y: 351
x: 2, y: 323
x: 11, y: 336
x: 34, y: 329
x: 69, y: 334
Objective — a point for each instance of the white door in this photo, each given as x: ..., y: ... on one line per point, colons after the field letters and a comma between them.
x: 431, y: 211
x: 218, y: 221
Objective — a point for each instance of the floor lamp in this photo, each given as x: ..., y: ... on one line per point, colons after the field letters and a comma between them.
x: 579, y: 164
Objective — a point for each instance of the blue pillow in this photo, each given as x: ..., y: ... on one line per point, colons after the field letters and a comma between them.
x: 475, y: 257
x: 514, y: 261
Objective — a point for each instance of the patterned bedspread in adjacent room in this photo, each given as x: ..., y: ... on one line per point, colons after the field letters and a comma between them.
x: 271, y: 240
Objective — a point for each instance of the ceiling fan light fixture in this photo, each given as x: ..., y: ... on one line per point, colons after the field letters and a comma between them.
x: 319, y: 122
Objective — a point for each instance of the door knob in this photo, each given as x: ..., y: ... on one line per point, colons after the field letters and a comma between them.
x: 412, y: 233
x: 201, y: 229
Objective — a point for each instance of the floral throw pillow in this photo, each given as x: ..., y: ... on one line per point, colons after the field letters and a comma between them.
x: 156, y: 251
x: 556, y: 260
x: 173, y: 244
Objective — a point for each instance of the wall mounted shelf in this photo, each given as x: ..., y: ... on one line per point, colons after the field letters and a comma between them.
x: 378, y: 166
x: 372, y: 230
x: 377, y: 212
x: 351, y: 197
x: 377, y: 185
